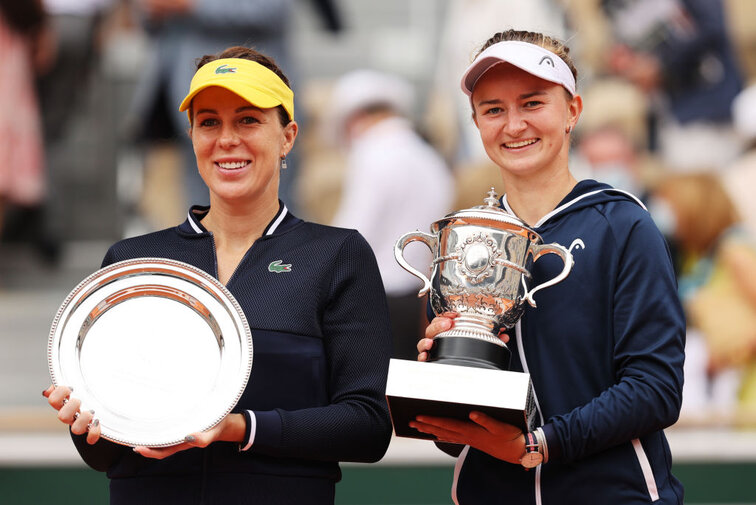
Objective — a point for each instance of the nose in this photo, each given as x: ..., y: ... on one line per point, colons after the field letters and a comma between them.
x: 229, y: 137
x: 515, y: 123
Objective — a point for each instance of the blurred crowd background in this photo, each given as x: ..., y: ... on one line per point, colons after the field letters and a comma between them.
x: 93, y: 148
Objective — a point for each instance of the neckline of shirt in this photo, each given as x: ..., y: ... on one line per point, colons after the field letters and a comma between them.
x: 196, y: 224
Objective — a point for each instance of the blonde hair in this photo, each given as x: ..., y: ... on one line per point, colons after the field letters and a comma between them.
x: 702, y: 206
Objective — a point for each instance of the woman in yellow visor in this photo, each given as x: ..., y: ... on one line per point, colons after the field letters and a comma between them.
x: 312, y: 294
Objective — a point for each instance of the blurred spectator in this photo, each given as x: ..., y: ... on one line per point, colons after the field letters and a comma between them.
x: 395, y: 183
x: 65, y: 70
x: 611, y: 142
x: 718, y: 289
x: 741, y: 20
x: 73, y: 24
x: 22, y: 180
x: 611, y: 138
x: 680, y: 52
x: 740, y: 177
x: 613, y: 159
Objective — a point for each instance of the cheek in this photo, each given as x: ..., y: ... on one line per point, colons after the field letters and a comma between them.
x: 555, y: 133
x: 195, y: 147
x: 201, y: 145
x: 488, y: 131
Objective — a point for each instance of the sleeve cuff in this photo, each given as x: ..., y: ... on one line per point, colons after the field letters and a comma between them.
x: 542, y: 443
x: 249, y: 431
x: 267, y: 432
x: 552, y: 442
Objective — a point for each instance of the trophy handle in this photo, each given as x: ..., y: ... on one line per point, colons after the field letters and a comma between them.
x: 415, y: 236
x: 562, y: 252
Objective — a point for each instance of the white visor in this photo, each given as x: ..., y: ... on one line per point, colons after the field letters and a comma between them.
x: 531, y: 58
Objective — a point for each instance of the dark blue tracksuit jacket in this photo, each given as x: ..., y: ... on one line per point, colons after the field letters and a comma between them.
x: 322, y: 342
x: 605, y: 350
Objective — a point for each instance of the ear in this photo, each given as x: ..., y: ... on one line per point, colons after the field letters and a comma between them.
x: 574, y: 109
x: 290, y: 135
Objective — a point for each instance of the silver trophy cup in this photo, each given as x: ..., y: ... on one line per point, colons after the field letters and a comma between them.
x: 482, y: 259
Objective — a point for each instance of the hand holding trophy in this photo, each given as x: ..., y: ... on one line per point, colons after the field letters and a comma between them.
x: 481, y: 265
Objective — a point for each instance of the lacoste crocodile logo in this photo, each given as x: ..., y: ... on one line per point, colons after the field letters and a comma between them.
x: 277, y: 267
x: 225, y: 69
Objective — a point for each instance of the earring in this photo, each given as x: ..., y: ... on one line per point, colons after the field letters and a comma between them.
x: 569, y: 129
x: 284, y: 166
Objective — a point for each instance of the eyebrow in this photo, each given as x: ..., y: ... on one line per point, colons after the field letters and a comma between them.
x: 524, y: 96
x: 240, y: 109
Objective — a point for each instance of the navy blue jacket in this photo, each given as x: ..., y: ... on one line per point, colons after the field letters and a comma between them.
x: 321, y: 342
x: 605, y: 350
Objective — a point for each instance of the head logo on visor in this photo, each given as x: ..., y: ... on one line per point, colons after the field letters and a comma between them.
x: 252, y: 81
x: 547, y: 60
x: 531, y: 58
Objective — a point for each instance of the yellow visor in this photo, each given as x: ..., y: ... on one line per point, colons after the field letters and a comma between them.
x: 255, y: 83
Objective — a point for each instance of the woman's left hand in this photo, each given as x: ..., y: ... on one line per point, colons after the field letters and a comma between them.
x: 230, y: 429
x: 500, y: 440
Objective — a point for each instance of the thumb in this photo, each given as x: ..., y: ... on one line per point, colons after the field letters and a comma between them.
x: 198, y: 439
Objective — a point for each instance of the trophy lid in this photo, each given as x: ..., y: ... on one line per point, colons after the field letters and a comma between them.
x: 490, y: 214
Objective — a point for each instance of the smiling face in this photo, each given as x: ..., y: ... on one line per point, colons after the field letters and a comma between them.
x: 523, y: 121
x: 238, y: 146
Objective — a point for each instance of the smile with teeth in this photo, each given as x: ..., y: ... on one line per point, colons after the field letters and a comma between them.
x: 522, y: 143
x: 232, y: 165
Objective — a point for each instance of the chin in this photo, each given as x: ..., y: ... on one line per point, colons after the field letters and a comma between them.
x: 230, y: 195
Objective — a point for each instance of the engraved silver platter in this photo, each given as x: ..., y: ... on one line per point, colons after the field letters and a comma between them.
x: 157, y: 348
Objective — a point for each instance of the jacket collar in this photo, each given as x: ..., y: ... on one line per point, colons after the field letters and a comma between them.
x: 282, y: 221
x: 586, y: 193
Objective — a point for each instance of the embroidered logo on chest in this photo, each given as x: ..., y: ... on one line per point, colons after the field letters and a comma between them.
x: 278, y: 267
x: 577, y: 244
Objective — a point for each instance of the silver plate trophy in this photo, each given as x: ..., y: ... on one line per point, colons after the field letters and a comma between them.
x: 157, y: 348
x: 482, y: 258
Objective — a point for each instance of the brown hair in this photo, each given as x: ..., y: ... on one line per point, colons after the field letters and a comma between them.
x: 702, y: 206
x: 247, y: 53
x: 535, y: 38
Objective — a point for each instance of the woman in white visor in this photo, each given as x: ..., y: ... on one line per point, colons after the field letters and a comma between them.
x: 604, y: 348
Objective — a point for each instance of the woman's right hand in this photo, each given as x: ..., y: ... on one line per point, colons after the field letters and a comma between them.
x: 59, y: 397
x: 437, y: 325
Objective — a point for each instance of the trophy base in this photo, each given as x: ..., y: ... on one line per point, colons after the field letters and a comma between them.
x: 441, y: 390
x: 472, y: 352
